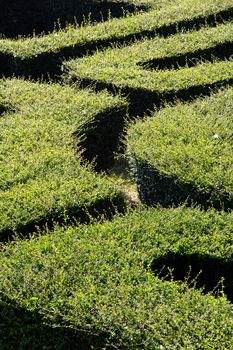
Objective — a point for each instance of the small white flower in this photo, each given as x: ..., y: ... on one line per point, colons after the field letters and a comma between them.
x: 216, y: 136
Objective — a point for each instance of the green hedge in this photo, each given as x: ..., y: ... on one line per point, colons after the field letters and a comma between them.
x: 41, y: 54
x: 150, y: 51
x: 128, y: 68
x: 185, y: 153
x: 43, y: 176
x: 95, y: 284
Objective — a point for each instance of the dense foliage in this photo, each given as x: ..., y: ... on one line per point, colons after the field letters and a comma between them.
x: 98, y: 279
x: 40, y: 54
x: 42, y: 175
x: 82, y: 267
x: 185, y: 153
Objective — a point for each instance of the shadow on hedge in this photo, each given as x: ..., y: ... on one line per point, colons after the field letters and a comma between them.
x: 24, y: 330
x: 191, y: 59
x: 48, y: 64
x: 144, y: 101
x: 154, y: 188
x: 104, y: 208
x: 25, y: 17
x: 201, y: 270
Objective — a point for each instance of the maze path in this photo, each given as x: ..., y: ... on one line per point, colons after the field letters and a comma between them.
x: 42, y: 178
x: 94, y: 281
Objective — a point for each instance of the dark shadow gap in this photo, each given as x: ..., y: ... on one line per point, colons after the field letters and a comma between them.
x: 3, y: 109
x: 22, y: 329
x: 49, y: 64
x: 202, y: 271
x: 7, y: 107
x: 104, y: 208
x: 191, y: 59
x: 22, y: 17
x: 143, y: 101
x: 156, y: 188
x: 102, y: 137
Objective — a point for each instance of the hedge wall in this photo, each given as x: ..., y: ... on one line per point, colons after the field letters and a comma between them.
x: 97, y: 286
x: 44, y: 177
x: 184, y: 153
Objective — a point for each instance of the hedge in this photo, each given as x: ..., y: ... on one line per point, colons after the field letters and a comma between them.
x: 184, y: 153
x: 95, y: 283
x: 42, y: 54
x: 156, y: 52
x: 43, y: 175
x: 135, y: 69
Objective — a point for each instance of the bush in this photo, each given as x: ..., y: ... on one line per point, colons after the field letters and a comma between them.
x: 42, y: 54
x: 135, y: 69
x: 97, y: 282
x: 184, y: 153
x: 43, y: 175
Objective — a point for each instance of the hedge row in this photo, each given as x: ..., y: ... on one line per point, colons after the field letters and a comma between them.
x: 43, y: 176
x: 129, y: 68
x: 185, y: 153
x: 151, y: 53
x: 42, y: 54
x: 94, y: 283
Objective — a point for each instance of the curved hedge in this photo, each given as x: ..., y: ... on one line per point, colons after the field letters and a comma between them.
x: 149, y: 279
x: 152, y: 71
x: 95, y: 284
x: 184, y: 153
x: 43, y: 177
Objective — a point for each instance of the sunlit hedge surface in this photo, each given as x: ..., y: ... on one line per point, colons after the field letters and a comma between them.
x: 102, y: 284
x: 152, y: 71
x: 81, y: 267
x: 41, y: 177
x: 40, y: 54
x: 185, y: 153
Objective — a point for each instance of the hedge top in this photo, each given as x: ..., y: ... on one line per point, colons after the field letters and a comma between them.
x: 170, y: 13
x: 95, y: 277
x: 147, y: 50
x: 121, y: 66
x: 41, y: 173
x: 192, y: 143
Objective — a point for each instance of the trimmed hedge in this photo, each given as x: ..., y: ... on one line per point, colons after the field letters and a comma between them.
x: 95, y: 283
x: 43, y: 177
x: 152, y: 53
x: 184, y: 153
x: 128, y: 68
x: 42, y: 54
